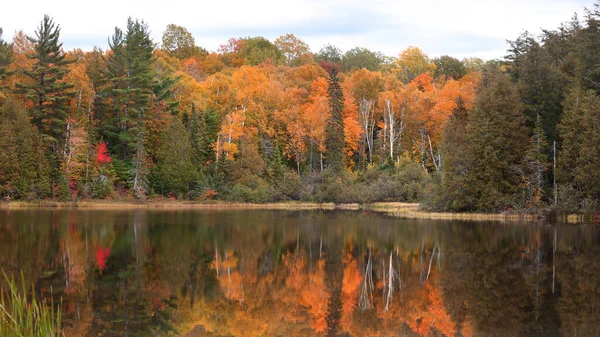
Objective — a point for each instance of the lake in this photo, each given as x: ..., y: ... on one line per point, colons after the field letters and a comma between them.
x: 303, y: 273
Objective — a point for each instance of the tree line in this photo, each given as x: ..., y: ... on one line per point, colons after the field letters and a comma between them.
x: 266, y: 121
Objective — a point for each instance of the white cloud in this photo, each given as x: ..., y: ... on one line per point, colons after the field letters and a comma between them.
x: 459, y: 28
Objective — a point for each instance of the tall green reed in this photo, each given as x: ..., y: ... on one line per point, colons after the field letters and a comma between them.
x: 21, y: 317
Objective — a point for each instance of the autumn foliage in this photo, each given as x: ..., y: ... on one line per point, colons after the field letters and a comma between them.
x: 102, y: 155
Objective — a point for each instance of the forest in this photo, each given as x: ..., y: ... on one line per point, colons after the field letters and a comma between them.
x: 263, y: 121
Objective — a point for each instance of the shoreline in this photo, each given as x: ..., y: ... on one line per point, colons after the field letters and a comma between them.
x: 401, y: 210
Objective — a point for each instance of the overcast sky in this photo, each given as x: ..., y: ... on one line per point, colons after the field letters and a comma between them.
x: 460, y: 28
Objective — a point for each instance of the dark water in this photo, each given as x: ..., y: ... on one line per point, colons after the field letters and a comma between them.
x: 308, y: 273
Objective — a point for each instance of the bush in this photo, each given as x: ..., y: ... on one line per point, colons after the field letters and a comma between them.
x: 101, y: 187
x: 290, y: 187
x: 258, y: 194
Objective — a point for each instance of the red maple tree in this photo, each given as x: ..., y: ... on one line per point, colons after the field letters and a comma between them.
x: 102, y: 155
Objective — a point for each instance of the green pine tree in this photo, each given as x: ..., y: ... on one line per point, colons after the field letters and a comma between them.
x: 127, y: 98
x: 6, y: 53
x: 110, y: 101
x: 496, y: 143
x: 24, y: 170
x: 203, y: 130
x: 49, y: 93
x: 335, y: 140
x: 540, y: 83
x: 536, y: 160
x: 276, y: 166
x: 452, y: 192
x: 176, y: 170
x: 579, y: 159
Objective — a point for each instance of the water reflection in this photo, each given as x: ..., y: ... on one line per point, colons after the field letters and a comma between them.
x: 310, y: 273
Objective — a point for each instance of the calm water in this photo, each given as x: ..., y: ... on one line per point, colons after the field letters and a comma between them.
x: 308, y: 273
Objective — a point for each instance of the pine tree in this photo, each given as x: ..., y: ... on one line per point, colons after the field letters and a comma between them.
x: 24, y: 170
x: 203, y: 129
x: 536, y: 160
x: 109, y: 111
x: 588, y: 49
x: 496, y: 143
x: 49, y: 93
x: 452, y: 193
x: 579, y: 159
x: 128, y: 97
x: 539, y: 81
x: 276, y: 165
x: 175, y: 167
x: 335, y: 140
x: 128, y: 93
x: 5, y: 59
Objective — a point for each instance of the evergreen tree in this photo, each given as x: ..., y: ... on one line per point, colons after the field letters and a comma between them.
x: 587, y: 42
x: 536, y: 160
x: 203, y: 129
x: 496, y: 143
x: 540, y: 83
x: 335, y: 140
x: 276, y: 165
x: 175, y: 168
x: 128, y: 97
x: 109, y: 111
x: 138, y: 94
x: 5, y: 60
x: 579, y: 159
x: 24, y: 170
x: 452, y: 193
x: 49, y: 93
x: 5, y: 57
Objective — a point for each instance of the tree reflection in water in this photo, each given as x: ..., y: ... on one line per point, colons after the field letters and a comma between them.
x: 309, y: 273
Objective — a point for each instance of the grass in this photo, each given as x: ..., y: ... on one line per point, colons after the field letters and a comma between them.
x: 397, y: 209
x: 161, y: 204
x: 21, y: 317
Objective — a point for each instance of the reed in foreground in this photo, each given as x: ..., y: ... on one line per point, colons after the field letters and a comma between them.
x: 26, y: 318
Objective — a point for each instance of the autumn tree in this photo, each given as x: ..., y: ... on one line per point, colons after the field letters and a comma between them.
x: 316, y: 117
x: 411, y: 63
x: 359, y: 58
x: 329, y: 53
x: 257, y: 50
x: 334, y: 140
x: 366, y: 88
x: 178, y: 42
x: 22, y: 51
x: 449, y: 67
x: 473, y: 64
x: 293, y: 49
x: 49, y: 93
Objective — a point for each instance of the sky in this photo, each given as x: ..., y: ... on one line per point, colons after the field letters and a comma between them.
x: 459, y: 28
